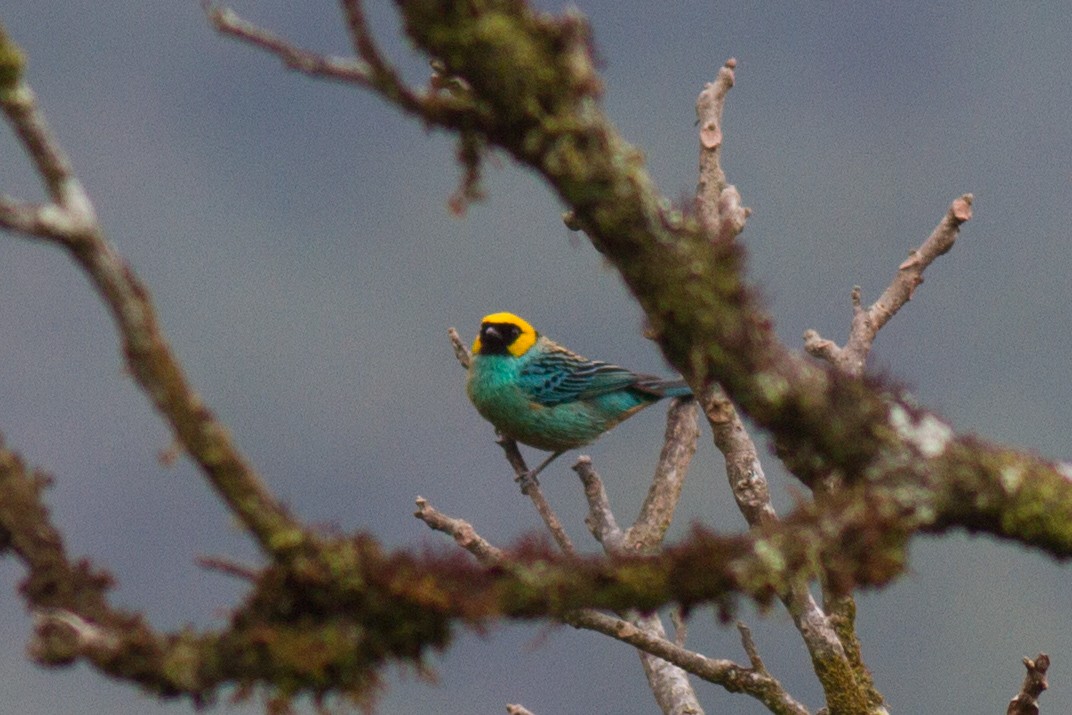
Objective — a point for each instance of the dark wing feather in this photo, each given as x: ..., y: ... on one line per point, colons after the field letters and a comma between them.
x: 557, y: 375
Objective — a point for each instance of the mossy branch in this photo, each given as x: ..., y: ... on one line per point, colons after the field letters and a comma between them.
x: 525, y: 82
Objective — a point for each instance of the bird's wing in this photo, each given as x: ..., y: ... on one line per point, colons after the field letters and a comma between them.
x: 559, y: 376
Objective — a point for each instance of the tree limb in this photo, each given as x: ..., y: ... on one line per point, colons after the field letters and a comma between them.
x: 70, y: 222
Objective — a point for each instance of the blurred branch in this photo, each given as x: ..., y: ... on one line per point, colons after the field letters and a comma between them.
x: 70, y: 222
x: 668, y: 682
x: 370, y: 69
x: 708, y: 322
x: 445, y: 100
x: 228, y: 567
x: 735, y: 678
x: 74, y: 620
x: 526, y: 82
x: 835, y: 654
x: 1026, y: 701
x: 833, y: 664
x: 852, y: 360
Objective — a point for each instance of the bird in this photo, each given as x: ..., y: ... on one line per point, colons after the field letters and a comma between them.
x: 543, y: 395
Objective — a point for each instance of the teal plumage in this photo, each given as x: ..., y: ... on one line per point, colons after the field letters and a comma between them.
x: 543, y: 395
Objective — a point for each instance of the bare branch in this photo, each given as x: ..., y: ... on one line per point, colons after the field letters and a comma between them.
x: 372, y: 70
x: 910, y: 272
x: 718, y: 203
x: 343, y: 69
x: 721, y: 672
x: 867, y: 322
x: 743, y: 468
x: 709, y: 108
x: 530, y: 487
x: 462, y: 531
x: 657, y: 511
x: 1026, y: 701
x: 51, y: 162
x: 600, y: 519
x: 852, y: 359
x: 749, y: 485
x: 750, y: 649
x: 384, y: 76
x: 734, y: 677
x: 35, y: 220
x: 669, y: 683
x: 461, y: 352
x: 724, y: 218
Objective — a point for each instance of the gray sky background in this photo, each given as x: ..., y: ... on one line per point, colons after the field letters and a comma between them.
x: 296, y: 238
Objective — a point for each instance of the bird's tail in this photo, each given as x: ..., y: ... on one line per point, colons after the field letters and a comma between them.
x: 664, y: 388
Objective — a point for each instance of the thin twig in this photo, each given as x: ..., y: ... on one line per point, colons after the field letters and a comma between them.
x: 530, y: 487
x: 709, y: 106
x: 750, y: 649
x: 852, y: 359
x: 370, y: 69
x: 461, y: 352
x: 721, y: 672
x: 462, y: 531
x: 229, y: 567
x: 866, y: 322
x: 343, y: 69
x: 381, y: 71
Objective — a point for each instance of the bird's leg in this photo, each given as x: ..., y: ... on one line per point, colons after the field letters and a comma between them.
x: 528, y: 479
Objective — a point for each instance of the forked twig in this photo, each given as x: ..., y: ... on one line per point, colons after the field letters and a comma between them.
x: 866, y: 322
